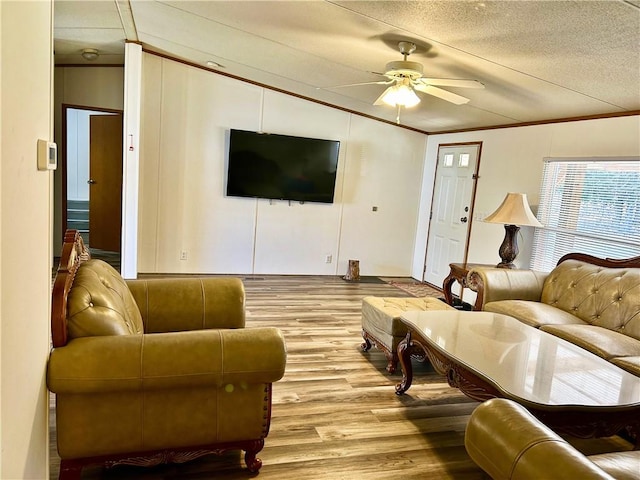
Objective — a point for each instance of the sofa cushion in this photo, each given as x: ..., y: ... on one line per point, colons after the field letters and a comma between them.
x: 534, y: 314
x: 100, y: 303
x: 606, y: 297
x: 630, y: 364
x: 620, y: 465
x: 603, y: 342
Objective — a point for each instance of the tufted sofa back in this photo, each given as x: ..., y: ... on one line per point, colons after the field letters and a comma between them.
x: 100, y: 303
x: 606, y: 297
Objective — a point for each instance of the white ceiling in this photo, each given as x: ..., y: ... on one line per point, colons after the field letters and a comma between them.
x: 538, y: 60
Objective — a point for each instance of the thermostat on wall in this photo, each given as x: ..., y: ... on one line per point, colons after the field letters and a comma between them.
x: 47, y: 155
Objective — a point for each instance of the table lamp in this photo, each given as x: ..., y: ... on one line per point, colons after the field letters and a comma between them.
x: 513, y: 211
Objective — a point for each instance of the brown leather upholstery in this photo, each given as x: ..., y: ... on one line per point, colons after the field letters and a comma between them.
x: 507, y: 442
x: 166, y: 305
x: 100, y: 303
x: 535, y: 314
x: 505, y: 284
x: 157, y: 368
x: 630, y: 364
x: 605, y: 297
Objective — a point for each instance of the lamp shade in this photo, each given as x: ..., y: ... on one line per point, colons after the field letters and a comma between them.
x: 514, y: 210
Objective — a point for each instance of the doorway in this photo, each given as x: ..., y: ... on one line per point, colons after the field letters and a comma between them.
x: 451, y: 209
x: 92, y: 178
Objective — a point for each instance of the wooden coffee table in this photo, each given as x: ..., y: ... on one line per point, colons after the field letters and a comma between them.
x: 489, y: 355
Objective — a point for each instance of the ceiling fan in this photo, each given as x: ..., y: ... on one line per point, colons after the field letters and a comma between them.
x: 405, y: 77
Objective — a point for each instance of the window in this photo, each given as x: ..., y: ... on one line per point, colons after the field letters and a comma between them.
x: 589, y: 206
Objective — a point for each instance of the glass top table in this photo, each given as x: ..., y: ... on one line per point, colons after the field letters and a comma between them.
x: 489, y: 355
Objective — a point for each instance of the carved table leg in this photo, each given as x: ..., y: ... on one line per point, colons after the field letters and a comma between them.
x: 404, y: 355
x: 446, y: 288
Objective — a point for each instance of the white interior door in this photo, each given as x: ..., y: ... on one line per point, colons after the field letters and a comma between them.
x: 451, y: 210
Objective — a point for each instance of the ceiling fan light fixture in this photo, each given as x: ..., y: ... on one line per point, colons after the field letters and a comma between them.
x: 401, y: 95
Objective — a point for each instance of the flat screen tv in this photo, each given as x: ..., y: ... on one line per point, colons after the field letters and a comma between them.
x: 282, y: 167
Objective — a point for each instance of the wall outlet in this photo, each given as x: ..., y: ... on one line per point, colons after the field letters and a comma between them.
x: 328, y: 259
x: 184, y: 255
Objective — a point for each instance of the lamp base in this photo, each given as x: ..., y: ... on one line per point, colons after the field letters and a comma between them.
x: 509, y: 249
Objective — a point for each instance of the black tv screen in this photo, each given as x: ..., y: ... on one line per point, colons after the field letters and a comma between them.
x: 282, y: 167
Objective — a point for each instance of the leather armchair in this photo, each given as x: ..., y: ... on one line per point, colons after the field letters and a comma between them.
x: 154, y: 371
x: 507, y: 442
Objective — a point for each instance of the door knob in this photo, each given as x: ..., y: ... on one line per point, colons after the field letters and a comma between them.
x: 91, y: 181
x: 463, y: 219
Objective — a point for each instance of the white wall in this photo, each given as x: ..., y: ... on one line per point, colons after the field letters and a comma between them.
x: 26, y: 69
x: 186, y: 115
x: 512, y: 161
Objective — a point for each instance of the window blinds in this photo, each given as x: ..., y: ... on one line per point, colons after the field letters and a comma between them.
x: 589, y: 206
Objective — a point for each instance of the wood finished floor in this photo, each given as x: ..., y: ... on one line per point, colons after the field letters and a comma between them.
x: 335, y: 414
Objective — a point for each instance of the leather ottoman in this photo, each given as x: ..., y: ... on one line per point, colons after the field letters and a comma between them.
x: 381, y: 325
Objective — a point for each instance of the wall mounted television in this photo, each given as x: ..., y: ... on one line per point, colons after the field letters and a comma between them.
x: 282, y: 167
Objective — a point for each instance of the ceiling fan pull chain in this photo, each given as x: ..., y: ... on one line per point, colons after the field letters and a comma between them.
x: 398, y: 116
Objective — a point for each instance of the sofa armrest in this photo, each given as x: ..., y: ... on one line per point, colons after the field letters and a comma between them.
x: 176, y: 304
x: 492, y: 284
x: 507, y: 442
x: 190, y: 359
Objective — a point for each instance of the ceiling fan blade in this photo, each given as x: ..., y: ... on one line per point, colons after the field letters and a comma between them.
x: 440, y: 93
x: 355, y: 85
x: 379, y: 99
x: 451, y: 82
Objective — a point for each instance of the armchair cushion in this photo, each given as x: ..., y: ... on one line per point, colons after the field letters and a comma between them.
x: 167, y: 305
x: 100, y: 303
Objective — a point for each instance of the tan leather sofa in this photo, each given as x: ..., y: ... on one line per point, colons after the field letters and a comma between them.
x: 158, y: 370
x: 507, y: 442
x: 589, y: 301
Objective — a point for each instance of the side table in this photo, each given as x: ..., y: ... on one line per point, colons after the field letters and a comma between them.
x: 458, y: 273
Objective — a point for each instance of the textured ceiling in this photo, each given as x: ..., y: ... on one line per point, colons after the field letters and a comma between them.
x: 538, y: 60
